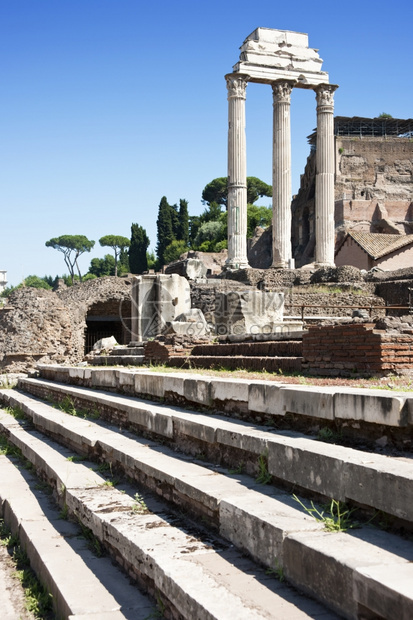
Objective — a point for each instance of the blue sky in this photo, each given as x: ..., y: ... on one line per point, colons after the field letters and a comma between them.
x: 108, y: 105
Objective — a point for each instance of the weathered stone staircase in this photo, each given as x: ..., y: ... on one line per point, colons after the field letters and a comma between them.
x: 207, y: 521
x: 121, y: 356
x: 283, y: 355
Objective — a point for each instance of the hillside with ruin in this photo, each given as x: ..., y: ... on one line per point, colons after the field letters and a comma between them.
x: 373, y: 183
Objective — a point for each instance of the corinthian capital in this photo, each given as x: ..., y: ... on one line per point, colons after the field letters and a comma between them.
x: 325, y: 94
x: 282, y: 91
x: 237, y: 85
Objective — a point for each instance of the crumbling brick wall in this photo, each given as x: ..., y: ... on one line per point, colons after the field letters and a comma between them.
x: 356, y: 347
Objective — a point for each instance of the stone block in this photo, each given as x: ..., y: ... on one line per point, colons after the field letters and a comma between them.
x: 265, y: 397
x: 371, y: 406
x: 196, y: 426
x: 174, y: 384
x: 381, y: 483
x: 150, y: 383
x: 325, y: 564
x: 386, y: 590
x: 319, y: 468
x: 258, y: 525
x: 197, y: 390
x: 228, y: 390
x: 157, y: 300
x: 104, y: 378
x: 243, y: 437
x: 248, y: 312
x: 314, y: 402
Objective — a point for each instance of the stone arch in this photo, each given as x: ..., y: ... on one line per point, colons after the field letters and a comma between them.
x: 98, y: 307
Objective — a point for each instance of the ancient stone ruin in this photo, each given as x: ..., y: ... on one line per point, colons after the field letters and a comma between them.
x: 283, y: 60
x: 196, y: 496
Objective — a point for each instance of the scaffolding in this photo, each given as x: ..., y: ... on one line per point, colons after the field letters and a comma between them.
x: 360, y: 127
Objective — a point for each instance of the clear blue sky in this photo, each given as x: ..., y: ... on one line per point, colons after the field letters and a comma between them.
x: 108, y: 105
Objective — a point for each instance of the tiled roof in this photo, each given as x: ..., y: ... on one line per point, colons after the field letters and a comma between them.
x: 377, y: 244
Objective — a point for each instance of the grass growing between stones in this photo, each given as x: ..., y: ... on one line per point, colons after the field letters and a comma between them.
x: 16, y: 412
x: 277, y: 571
x: 335, y: 518
x: 8, y: 449
x: 402, y: 383
x: 264, y: 476
x: 38, y: 600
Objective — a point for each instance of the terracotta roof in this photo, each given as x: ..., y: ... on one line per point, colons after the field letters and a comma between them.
x: 377, y: 245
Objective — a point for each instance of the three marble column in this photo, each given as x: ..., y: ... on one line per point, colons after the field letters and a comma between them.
x: 237, y: 174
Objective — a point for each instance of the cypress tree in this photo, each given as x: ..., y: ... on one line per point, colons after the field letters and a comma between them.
x: 183, y: 230
x: 175, y: 221
x: 165, y: 228
x: 139, y: 244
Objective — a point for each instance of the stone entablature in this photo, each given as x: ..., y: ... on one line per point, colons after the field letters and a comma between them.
x: 268, y: 55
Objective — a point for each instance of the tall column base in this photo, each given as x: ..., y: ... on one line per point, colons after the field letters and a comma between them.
x: 233, y: 264
x: 324, y: 265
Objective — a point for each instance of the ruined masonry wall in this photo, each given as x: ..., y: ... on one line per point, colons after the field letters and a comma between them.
x: 356, y: 347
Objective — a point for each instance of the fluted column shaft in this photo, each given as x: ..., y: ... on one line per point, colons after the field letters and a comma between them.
x: 281, y: 174
x: 324, y: 183
x: 237, y: 172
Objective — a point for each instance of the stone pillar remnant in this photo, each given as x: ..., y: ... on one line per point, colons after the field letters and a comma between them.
x: 157, y: 300
x: 237, y: 172
x: 324, y: 189
x: 281, y: 171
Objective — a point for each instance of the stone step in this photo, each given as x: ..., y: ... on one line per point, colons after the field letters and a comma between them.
x: 191, y: 574
x: 274, y: 348
x: 359, y: 413
x: 127, y: 351
x: 81, y: 584
x: 117, y: 360
x: 335, y: 472
x: 265, y: 523
x: 235, y: 362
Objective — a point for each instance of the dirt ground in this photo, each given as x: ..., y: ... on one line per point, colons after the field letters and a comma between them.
x: 12, y: 601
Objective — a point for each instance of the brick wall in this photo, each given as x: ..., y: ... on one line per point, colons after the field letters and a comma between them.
x: 356, y: 347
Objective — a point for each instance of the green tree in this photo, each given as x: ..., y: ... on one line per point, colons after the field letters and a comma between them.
x: 217, y: 190
x: 72, y: 247
x: 138, y: 262
x: 212, y: 232
x: 36, y: 282
x: 123, y: 263
x: 117, y: 243
x: 256, y: 189
x: 165, y: 229
x: 100, y: 267
x: 174, y: 250
x: 258, y: 216
x: 151, y: 260
x: 212, y: 213
x: 183, y: 228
